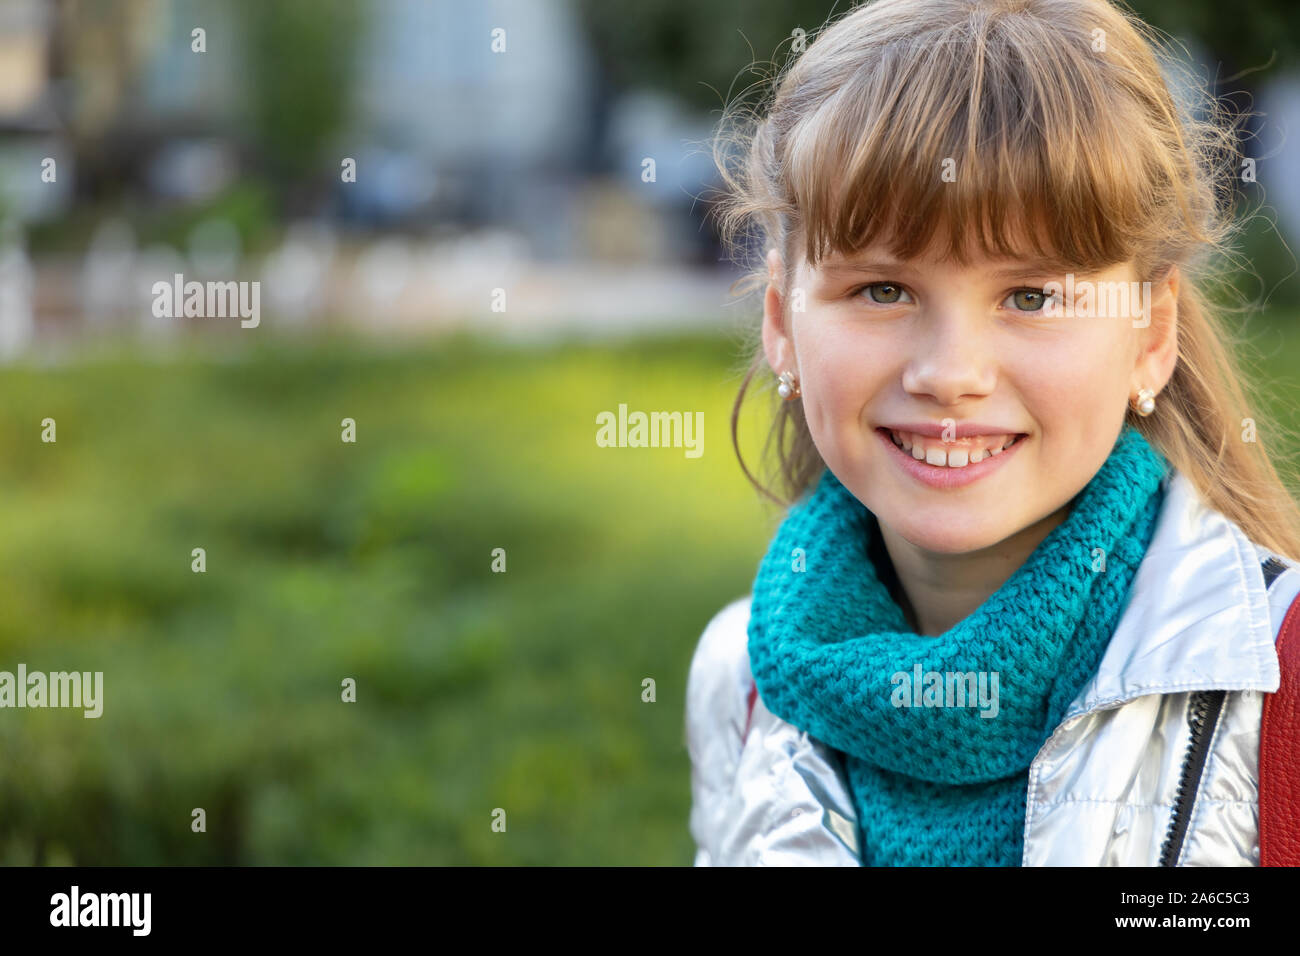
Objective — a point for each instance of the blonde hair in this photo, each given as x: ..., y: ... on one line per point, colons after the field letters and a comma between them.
x: 1056, y: 113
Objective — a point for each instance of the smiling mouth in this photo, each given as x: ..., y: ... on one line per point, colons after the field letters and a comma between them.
x: 950, y: 454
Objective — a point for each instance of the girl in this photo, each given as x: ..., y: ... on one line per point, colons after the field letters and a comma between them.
x: 1023, y: 610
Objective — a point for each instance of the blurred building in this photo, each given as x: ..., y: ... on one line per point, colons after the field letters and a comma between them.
x: 29, y: 128
x: 490, y: 152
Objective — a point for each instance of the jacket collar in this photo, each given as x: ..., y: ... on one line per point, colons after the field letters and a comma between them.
x: 1198, y: 611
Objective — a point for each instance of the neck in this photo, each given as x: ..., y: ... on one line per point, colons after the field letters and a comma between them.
x: 937, y: 591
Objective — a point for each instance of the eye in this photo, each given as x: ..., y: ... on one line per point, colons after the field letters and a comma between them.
x: 1028, y: 300
x: 884, y: 293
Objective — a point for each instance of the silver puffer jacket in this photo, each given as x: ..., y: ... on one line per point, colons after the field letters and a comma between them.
x: 1150, y: 766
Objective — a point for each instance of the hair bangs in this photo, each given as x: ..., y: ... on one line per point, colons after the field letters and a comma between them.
x: 992, y: 139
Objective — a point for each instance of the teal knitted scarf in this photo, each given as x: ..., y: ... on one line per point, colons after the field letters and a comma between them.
x: 936, y: 782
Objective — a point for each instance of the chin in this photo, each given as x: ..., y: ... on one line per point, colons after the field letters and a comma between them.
x: 947, y: 539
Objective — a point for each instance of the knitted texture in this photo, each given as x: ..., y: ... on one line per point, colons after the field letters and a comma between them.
x: 832, y: 654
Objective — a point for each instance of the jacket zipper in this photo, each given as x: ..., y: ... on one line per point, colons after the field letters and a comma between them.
x: 1203, y: 717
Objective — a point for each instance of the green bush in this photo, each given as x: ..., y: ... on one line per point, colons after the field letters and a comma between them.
x: 371, y: 560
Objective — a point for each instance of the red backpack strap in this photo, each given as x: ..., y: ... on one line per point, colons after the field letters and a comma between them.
x: 1279, y: 754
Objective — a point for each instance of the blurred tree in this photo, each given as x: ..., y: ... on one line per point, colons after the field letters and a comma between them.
x: 300, y: 66
x: 690, y: 46
x: 696, y: 50
x: 1256, y: 41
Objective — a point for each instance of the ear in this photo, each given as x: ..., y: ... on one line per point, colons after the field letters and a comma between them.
x: 1159, y: 349
x: 778, y: 345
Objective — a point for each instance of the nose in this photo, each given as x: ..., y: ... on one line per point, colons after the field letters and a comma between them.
x: 951, y: 360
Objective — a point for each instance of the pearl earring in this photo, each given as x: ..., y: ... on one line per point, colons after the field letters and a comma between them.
x: 1146, y: 402
x: 789, y: 388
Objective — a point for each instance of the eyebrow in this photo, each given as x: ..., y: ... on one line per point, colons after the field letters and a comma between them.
x: 850, y: 266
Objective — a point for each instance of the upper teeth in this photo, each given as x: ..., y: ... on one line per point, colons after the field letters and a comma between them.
x: 937, y: 452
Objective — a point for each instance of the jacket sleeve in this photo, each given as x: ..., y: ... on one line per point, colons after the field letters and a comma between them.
x: 763, y: 792
x: 716, y: 691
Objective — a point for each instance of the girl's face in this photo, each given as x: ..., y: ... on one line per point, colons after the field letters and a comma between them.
x: 974, y: 353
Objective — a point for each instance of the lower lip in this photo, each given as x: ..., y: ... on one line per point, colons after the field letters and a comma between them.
x: 942, y: 477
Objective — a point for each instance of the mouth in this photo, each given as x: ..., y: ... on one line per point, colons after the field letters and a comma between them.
x: 971, y: 450
x: 947, y: 465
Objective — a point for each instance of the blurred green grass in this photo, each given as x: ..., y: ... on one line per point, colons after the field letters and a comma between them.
x: 328, y: 560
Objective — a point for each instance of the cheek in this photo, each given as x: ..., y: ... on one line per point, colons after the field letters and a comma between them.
x: 840, y: 378
x: 1075, y: 390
